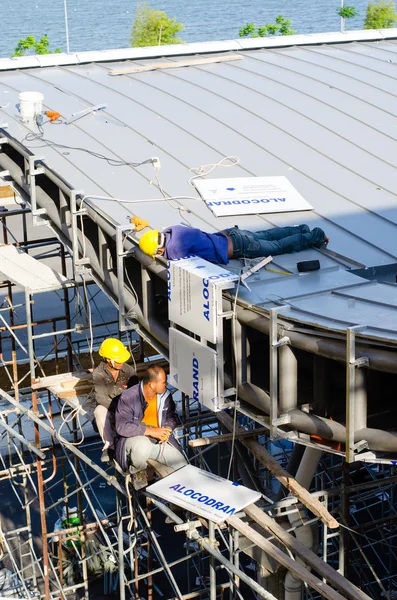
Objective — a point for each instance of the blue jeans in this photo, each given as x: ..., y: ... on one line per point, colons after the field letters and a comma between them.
x: 279, y: 240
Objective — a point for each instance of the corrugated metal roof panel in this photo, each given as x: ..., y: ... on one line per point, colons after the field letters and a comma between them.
x: 321, y: 115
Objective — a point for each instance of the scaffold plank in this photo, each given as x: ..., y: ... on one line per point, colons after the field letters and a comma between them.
x: 265, y: 458
x: 307, y: 555
x: 28, y: 273
x: 227, y: 437
x: 281, y: 557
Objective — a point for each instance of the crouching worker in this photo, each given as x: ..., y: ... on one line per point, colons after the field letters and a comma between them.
x: 145, y: 420
x: 111, y: 378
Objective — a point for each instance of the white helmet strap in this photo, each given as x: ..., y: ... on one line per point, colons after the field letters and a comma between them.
x: 161, y: 240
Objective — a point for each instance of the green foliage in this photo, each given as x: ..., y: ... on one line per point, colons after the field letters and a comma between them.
x: 347, y: 12
x: 153, y: 28
x: 282, y: 26
x: 248, y: 31
x: 41, y: 46
x: 381, y: 15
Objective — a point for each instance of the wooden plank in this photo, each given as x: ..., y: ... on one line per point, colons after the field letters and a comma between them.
x: 176, y: 64
x: 266, y: 459
x: 75, y: 382
x: 159, y: 468
x: 81, y: 389
x: 227, y: 437
x: 305, y: 554
x: 6, y: 191
x: 293, y: 566
x: 53, y: 380
x: 63, y: 379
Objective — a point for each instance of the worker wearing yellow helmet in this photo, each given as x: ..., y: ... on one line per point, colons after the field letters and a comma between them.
x: 152, y: 243
x: 179, y: 241
x: 111, y: 378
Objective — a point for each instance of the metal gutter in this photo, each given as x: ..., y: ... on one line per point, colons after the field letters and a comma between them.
x: 77, y: 58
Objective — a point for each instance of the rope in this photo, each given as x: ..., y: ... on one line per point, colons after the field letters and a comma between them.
x: 129, y: 496
x: 201, y: 172
x: 74, y: 413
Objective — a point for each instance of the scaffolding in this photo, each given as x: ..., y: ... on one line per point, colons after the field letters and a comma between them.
x: 80, y: 529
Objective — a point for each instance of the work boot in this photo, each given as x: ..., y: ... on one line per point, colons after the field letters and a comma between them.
x: 178, y: 510
x: 139, y: 480
x: 107, y: 455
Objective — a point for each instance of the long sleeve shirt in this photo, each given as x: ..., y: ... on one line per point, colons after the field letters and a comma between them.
x: 129, y: 418
x: 181, y: 241
x: 107, y: 391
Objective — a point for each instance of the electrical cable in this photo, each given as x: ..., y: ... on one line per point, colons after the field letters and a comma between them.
x: 39, y: 137
x: 181, y: 208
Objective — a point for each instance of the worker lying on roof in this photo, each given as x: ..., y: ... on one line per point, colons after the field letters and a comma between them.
x: 179, y: 241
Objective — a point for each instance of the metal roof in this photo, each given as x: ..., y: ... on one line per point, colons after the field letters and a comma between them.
x: 323, y: 115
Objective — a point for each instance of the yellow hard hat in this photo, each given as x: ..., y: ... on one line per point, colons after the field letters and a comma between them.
x: 115, y: 350
x: 149, y: 242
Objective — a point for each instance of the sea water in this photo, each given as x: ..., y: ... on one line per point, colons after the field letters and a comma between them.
x: 104, y: 24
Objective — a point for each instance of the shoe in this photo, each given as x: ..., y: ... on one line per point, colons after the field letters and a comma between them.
x: 169, y: 521
x: 178, y: 510
x: 107, y: 455
x: 139, y: 480
x: 319, y: 238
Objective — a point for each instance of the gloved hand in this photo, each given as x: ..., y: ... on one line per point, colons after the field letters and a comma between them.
x: 139, y: 223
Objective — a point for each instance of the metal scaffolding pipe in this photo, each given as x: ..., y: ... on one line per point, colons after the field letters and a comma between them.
x: 21, y: 439
x: 210, y: 548
x: 383, y: 441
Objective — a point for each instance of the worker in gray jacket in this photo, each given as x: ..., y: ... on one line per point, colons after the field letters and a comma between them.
x: 145, y: 420
x: 111, y: 379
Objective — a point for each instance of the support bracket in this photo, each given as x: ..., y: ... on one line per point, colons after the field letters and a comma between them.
x: 274, y: 345
x: 351, y: 364
x: 33, y: 172
x: 121, y: 254
x: 79, y: 264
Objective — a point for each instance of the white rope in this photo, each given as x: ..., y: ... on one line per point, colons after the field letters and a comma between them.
x: 207, y: 169
x: 130, y: 508
x: 74, y: 413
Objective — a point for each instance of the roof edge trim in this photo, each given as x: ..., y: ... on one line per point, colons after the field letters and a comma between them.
x: 52, y: 60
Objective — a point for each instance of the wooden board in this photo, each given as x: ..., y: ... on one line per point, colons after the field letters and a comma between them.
x: 176, y: 64
x: 305, y: 554
x: 296, y: 568
x: 266, y: 459
x: 6, y: 191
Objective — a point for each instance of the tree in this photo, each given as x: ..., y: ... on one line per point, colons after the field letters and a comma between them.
x: 282, y: 26
x: 154, y: 28
x: 346, y: 12
x: 381, y: 15
x: 41, y: 46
